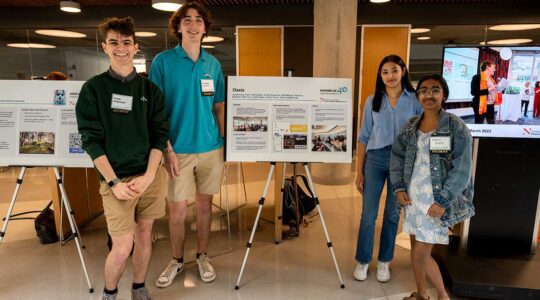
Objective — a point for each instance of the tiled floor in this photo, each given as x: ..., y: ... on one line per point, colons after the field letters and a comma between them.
x: 299, y: 268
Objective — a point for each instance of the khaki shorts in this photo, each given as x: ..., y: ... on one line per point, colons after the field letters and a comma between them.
x: 121, y: 214
x: 201, y: 171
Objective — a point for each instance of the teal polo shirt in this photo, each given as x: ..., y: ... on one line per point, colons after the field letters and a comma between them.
x: 193, y: 127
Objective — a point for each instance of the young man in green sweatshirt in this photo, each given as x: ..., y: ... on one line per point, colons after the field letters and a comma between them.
x: 122, y: 120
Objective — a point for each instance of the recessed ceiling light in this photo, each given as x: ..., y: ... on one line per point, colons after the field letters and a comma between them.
x: 167, y: 5
x: 423, y: 38
x: 379, y: 1
x: 70, y: 6
x: 212, y: 39
x: 145, y: 34
x: 30, y: 45
x: 507, y: 42
x: 511, y: 27
x: 61, y: 33
x: 208, y: 46
x: 420, y: 30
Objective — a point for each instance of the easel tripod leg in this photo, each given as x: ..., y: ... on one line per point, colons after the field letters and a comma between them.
x: 12, y: 204
x: 73, y: 226
x: 328, y: 241
x: 250, y: 242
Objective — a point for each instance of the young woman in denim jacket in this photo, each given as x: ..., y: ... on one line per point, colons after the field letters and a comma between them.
x: 385, y: 112
x: 431, y: 174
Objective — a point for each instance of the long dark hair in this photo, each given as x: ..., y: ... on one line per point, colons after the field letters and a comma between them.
x: 379, y: 85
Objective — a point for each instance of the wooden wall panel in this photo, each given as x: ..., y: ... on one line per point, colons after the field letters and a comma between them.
x: 260, y: 51
x: 377, y: 43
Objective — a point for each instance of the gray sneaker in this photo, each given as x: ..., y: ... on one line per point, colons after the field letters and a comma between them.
x: 140, y: 294
x: 104, y: 296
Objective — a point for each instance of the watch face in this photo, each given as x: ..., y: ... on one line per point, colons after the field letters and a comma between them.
x: 113, y: 182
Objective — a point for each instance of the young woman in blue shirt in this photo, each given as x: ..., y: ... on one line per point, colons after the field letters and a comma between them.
x: 431, y: 174
x: 385, y: 113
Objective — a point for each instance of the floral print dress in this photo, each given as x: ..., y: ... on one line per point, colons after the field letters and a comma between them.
x: 425, y: 228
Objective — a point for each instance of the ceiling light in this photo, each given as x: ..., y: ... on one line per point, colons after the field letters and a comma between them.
x: 70, y: 6
x: 167, y: 5
x: 145, y: 34
x: 420, y: 30
x: 30, y: 45
x: 511, y: 27
x: 61, y: 33
x: 423, y: 38
x: 212, y: 39
x: 379, y: 1
x: 507, y: 42
x: 208, y: 46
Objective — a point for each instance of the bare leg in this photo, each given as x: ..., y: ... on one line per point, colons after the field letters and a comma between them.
x: 177, y: 226
x: 419, y: 274
x: 204, y: 221
x: 115, y: 264
x: 143, y: 249
x: 428, y: 265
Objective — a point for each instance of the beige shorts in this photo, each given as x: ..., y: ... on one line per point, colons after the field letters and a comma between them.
x: 121, y: 214
x: 200, y: 171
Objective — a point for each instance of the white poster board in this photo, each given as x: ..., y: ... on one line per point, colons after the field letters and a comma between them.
x: 289, y: 119
x: 38, y: 126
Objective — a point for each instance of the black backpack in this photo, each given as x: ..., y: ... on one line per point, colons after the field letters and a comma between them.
x: 306, y: 203
x: 45, y: 226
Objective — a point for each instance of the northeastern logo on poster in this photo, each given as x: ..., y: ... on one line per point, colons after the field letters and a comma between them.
x: 59, y: 97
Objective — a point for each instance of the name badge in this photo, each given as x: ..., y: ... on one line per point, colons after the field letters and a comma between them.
x: 207, y: 87
x: 440, y: 144
x: 121, y: 103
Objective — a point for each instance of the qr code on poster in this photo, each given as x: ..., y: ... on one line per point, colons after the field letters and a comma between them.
x: 75, y: 144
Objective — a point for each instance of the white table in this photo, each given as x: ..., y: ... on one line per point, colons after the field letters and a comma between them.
x: 510, y: 108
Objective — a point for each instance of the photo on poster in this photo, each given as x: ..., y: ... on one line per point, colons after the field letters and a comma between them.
x: 295, y: 141
x: 36, y: 142
x: 75, y: 143
x: 259, y: 124
x: 329, y: 138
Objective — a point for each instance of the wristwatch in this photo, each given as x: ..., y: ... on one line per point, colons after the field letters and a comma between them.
x: 113, y: 182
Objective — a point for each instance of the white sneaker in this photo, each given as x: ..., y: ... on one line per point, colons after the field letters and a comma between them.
x: 206, y: 270
x: 383, y: 271
x: 166, y: 278
x: 360, y: 271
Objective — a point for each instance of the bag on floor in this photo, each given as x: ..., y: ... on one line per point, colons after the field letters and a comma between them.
x: 45, y: 226
x: 291, y: 215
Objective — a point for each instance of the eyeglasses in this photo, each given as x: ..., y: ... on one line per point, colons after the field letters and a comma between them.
x: 198, y: 20
x: 432, y: 92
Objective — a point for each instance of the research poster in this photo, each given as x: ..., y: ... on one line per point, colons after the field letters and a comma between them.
x: 38, y: 126
x: 289, y: 119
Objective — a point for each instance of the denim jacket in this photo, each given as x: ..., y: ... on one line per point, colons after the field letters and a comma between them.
x: 450, y: 172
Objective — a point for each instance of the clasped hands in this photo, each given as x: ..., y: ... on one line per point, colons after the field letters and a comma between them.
x: 435, y: 210
x: 132, y: 189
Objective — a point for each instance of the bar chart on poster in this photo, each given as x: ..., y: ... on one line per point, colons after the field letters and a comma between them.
x: 38, y: 126
x: 289, y: 119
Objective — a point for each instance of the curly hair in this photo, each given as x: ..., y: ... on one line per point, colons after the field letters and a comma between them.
x: 124, y: 26
x: 176, y: 18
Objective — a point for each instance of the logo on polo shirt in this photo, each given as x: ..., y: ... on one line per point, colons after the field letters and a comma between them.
x: 143, y: 99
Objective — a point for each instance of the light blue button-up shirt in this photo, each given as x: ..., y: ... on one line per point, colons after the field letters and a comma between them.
x: 380, y: 129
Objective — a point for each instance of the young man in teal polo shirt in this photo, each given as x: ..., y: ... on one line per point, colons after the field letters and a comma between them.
x: 192, y: 82
x: 123, y: 124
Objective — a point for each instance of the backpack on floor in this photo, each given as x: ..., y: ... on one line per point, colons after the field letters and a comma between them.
x: 291, y: 215
x: 45, y: 226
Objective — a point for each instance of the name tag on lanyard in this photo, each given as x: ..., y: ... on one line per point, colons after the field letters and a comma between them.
x: 440, y: 144
x: 121, y: 103
x: 207, y: 87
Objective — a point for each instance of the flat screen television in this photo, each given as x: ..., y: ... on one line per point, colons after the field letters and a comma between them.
x: 515, y: 66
